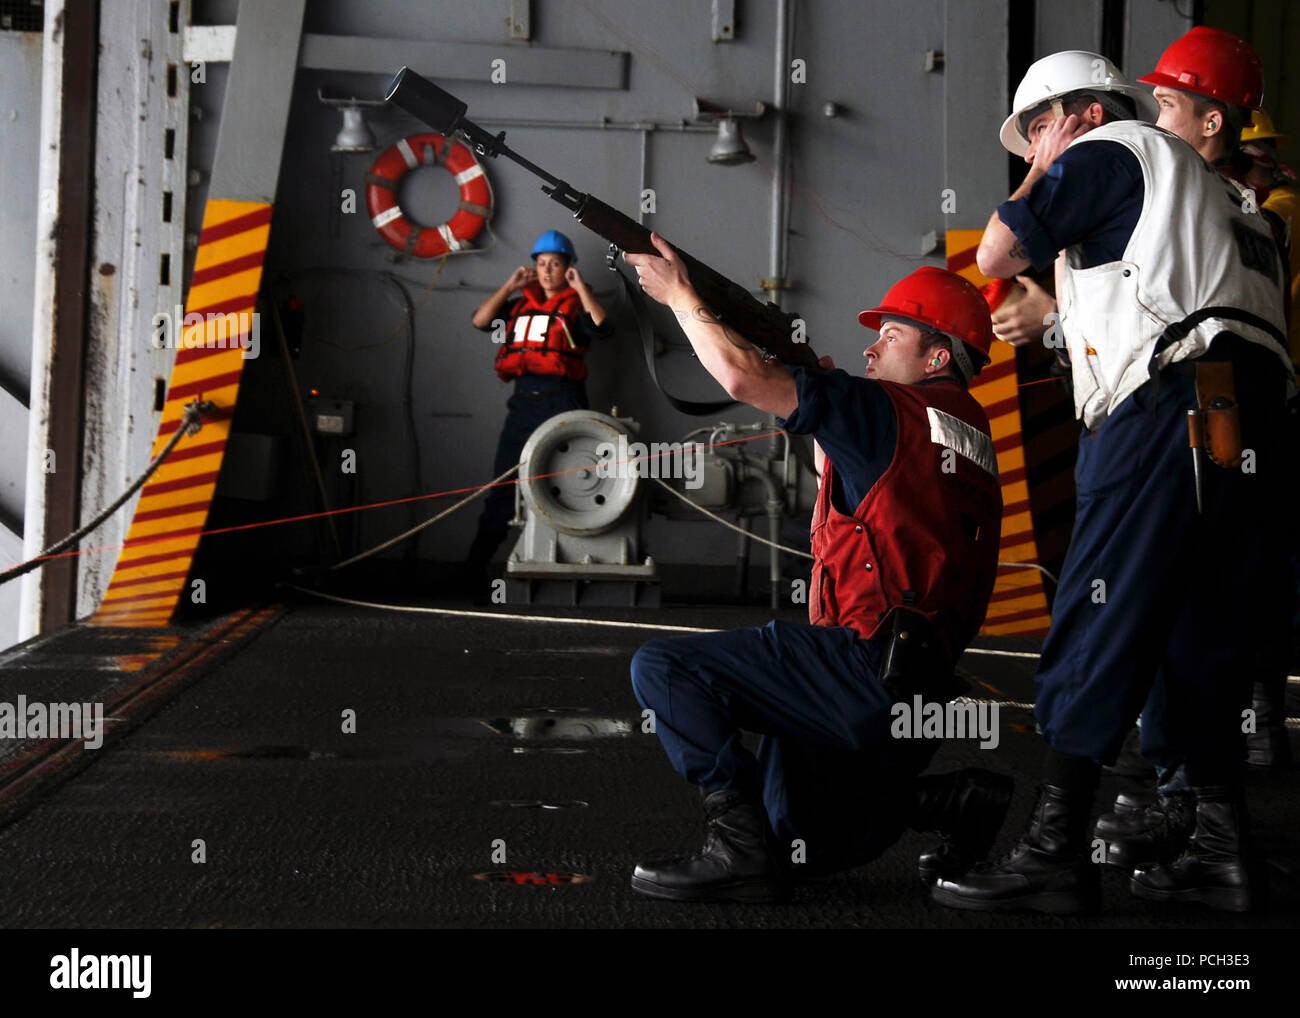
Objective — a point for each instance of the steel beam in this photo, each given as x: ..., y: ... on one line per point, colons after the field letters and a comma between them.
x: 66, y: 365
x: 447, y: 61
x: 250, y: 141
x: 147, y: 583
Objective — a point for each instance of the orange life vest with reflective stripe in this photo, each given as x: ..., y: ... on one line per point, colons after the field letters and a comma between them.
x: 542, y: 336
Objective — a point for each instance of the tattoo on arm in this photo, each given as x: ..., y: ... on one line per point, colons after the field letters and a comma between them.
x: 1018, y: 251
x: 702, y: 314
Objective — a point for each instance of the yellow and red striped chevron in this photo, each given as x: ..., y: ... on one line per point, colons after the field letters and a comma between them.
x: 173, y: 508
x: 1019, y: 603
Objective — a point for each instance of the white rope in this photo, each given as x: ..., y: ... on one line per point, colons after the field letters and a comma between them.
x: 728, y: 523
x: 429, y: 522
x: 464, y: 613
x: 1031, y: 565
x: 804, y: 554
x: 514, y: 617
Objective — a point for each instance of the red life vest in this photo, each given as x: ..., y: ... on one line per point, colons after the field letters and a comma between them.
x: 542, y: 336
x: 930, y: 525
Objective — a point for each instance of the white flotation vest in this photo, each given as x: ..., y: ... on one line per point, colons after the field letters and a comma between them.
x: 1198, y: 262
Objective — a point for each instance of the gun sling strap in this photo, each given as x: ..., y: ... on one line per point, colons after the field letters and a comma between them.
x: 799, y: 444
x: 643, y: 326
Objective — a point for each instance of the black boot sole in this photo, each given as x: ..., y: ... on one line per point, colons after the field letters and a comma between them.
x: 1223, y: 899
x: 1052, y: 902
x: 747, y: 892
x: 996, y: 791
x: 1119, y: 857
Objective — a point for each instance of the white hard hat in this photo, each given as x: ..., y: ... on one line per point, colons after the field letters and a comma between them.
x: 1072, y: 70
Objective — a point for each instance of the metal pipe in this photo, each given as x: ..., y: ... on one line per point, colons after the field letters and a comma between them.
x: 603, y: 124
x: 780, y: 144
x: 780, y: 96
x: 773, y: 507
x: 692, y: 433
x: 742, y: 557
x: 725, y: 428
x: 640, y: 204
x: 774, y: 556
x: 47, y: 215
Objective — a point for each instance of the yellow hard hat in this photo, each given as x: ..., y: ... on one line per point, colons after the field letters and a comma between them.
x: 1261, y: 126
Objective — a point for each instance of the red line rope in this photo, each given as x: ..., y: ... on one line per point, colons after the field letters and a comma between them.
x: 156, y: 538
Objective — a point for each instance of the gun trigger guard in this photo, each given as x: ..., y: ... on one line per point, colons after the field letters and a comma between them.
x: 611, y: 257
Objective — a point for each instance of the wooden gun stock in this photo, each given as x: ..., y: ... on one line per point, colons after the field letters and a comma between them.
x: 769, y: 328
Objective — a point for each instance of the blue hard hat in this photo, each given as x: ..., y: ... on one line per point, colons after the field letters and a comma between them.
x: 554, y: 242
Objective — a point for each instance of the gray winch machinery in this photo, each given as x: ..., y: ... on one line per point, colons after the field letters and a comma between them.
x: 583, y: 501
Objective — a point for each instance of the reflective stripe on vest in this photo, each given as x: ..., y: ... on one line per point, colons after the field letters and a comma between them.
x: 539, y: 336
x: 930, y: 525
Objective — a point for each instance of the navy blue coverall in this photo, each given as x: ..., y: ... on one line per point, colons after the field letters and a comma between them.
x: 1155, y: 600
x: 829, y: 772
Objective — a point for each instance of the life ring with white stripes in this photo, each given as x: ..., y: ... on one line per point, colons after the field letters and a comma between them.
x: 395, y: 162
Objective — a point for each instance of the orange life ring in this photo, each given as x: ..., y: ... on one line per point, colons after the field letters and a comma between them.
x: 428, y: 150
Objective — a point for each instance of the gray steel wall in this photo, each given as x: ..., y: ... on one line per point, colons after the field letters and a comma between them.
x: 866, y: 191
x: 134, y: 184
x: 20, y: 131
x: 865, y: 206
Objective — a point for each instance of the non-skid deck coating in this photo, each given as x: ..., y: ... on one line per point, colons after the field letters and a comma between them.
x: 473, y: 737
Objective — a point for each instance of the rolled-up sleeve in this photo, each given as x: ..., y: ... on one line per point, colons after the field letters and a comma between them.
x: 852, y: 419
x: 1091, y: 195
x: 1021, y: 218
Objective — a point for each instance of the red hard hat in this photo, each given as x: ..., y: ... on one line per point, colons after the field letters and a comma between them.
x: 940, y: 300
x: 1212, y: 63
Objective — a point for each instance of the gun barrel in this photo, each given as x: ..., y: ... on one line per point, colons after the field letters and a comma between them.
x: 764, y: 325
x: 425, y: 101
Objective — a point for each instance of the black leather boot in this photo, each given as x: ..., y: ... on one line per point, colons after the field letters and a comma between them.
x: 734, y: 864
x: 1268, y: 745
x: 967, y: 808
x: 1213, y: 869
x: 1139, y: 835
x: 1048, y: 871
x: 1130, y: 763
